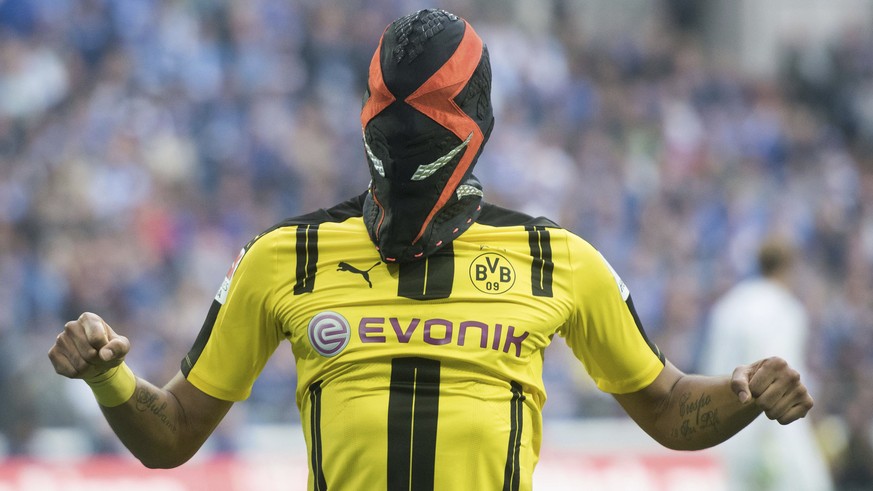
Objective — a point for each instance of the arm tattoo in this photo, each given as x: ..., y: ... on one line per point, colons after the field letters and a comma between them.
x: 147, y: 402
x: 696, y: 415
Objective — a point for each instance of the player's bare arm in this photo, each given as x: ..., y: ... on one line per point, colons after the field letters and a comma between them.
x: 691, y: 412
x: 162, y: 427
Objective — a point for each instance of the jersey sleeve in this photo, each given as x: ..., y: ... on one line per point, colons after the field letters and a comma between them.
x: 604, y: 331
x: 240, y: 333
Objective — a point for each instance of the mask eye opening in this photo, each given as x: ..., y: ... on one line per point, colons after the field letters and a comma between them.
x: 426, y: 170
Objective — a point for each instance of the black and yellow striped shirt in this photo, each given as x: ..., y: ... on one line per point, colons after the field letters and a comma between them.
x: 425, y: 375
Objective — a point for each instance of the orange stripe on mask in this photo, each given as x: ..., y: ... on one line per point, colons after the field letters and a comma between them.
x: 435, y: 99
x: 380, y: 96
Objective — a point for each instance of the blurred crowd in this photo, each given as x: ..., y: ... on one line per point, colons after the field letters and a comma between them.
x: 143, y: 143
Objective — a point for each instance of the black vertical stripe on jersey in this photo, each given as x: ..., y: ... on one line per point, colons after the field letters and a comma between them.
x: 512, y: 471
x: 307, y: 258
x: 200, y: 343
x: 638, y: 322
x: 413, y: 408
x: 315, y: 451
x: 429, y: 278
x: 542, y: 266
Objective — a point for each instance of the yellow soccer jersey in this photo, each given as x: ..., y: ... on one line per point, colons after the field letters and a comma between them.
x: 425, y: 375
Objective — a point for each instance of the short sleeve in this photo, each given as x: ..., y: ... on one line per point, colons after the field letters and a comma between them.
x: 239, y: 334
x: 604, y: 332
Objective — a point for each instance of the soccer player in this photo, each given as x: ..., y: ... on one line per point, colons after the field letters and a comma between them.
x: 418, y: 313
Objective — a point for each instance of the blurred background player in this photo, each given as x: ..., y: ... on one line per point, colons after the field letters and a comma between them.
x: 761, y: 315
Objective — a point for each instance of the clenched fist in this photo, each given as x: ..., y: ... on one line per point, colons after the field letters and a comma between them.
x: 775, y: 387
x: 87, y: 348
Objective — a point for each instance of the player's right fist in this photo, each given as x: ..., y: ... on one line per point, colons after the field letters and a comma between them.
x: 773, y: 386
x: 87, y: 347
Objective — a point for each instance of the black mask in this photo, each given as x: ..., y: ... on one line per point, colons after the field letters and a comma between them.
x: 426, y: 117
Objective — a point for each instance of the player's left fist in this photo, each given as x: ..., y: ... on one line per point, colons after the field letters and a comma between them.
x: 774, y: 387
x: 87, y: 347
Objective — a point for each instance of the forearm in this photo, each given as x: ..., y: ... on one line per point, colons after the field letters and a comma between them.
x: 161, y: 427
x: 691, y: 412
x: 702, y: 412
x: 153, y: 426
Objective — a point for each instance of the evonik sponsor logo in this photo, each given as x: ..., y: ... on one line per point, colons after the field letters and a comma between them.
x: 329, y: 333
x: 438, y: 332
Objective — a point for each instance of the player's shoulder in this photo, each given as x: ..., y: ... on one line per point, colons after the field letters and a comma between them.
x: 350, y: 208
x: 538, y: 227
x: 309, y: 222
x: 498, y: 216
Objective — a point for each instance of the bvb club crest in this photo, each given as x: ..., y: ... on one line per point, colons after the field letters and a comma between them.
x: 492, y: 273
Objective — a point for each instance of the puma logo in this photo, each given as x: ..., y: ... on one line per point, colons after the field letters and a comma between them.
x: 344, y: 266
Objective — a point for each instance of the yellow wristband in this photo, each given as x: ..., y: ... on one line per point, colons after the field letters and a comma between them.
x: 113, y: 387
